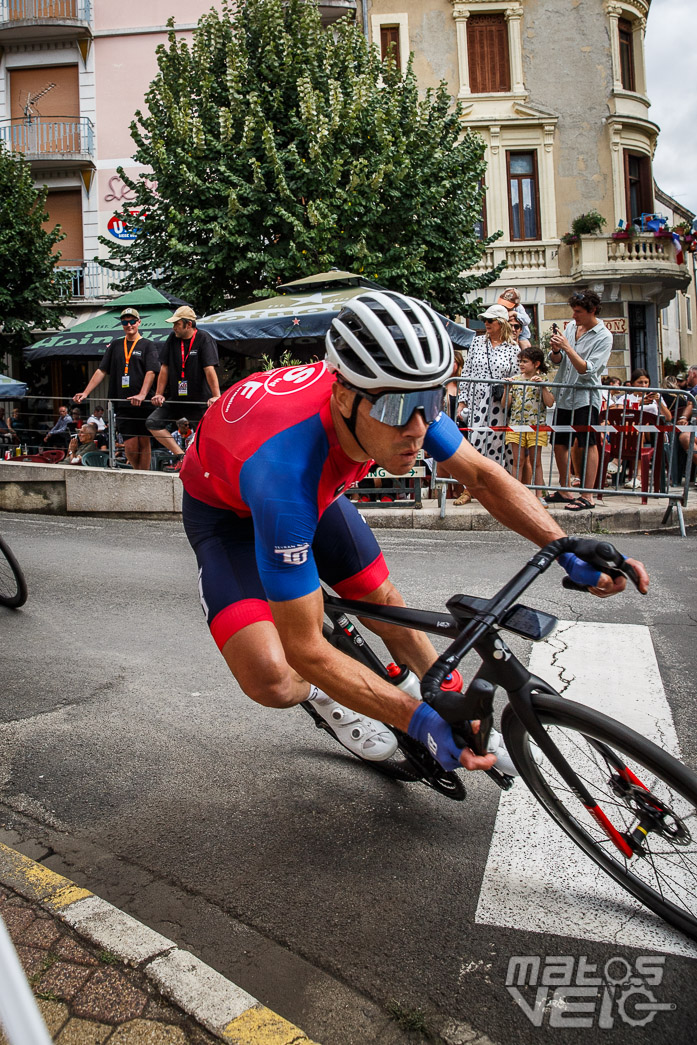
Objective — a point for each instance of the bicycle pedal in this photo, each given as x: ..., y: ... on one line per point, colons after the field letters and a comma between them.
x: 501, y: 780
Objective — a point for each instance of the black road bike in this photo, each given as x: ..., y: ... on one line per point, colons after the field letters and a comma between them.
x: 13, y: 586
x: 627, y: 803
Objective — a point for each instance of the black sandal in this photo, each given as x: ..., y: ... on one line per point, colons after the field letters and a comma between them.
x: 556, y: 498
x: 581, y: 504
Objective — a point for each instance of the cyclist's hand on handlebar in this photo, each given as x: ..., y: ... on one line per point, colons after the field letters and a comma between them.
x: 435, y: 734
x: 608, y: 585
x: 599, y: 568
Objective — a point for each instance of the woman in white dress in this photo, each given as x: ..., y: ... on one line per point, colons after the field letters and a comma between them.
x: 493, y: 354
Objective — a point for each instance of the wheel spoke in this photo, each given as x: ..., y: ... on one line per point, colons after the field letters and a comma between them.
x: 663, y: 873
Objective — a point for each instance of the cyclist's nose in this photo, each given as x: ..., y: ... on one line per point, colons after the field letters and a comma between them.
x: 416, y: 426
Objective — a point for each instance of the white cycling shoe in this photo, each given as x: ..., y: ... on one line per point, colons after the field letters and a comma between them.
x: 362, y: 736
x: 504, y: 762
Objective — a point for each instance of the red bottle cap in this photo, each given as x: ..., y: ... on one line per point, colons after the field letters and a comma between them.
x: 452, y: 681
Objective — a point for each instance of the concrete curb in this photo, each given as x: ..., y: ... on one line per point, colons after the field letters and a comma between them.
x: 219, y: 1005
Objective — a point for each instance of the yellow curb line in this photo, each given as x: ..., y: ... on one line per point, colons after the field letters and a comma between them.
x: 261, y: 1026
x: 255, y: 1026
x: 35, y: 882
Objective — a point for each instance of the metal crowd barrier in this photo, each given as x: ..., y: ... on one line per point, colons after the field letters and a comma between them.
x: 638, y: 443
x: 39, y: 414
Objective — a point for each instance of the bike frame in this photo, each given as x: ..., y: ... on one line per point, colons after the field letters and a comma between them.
x: 473, y: 626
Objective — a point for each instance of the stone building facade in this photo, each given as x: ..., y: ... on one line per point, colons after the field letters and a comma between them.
x: 557, y: 89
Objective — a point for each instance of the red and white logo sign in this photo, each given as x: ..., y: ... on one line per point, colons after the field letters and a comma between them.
x: 293, y: 379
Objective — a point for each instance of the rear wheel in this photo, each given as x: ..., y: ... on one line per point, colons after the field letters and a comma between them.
x: 648, y: 797
x: 13, y: 587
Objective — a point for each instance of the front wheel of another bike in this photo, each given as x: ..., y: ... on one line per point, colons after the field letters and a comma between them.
x: 642, y: 830
x: 13, y: 587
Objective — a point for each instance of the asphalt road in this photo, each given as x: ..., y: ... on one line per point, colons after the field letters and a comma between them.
x: 130, y: 761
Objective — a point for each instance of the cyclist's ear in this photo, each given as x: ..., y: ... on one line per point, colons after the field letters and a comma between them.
x: 344, y: 398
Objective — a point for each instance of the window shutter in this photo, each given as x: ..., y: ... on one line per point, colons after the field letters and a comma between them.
x: 487, y: 48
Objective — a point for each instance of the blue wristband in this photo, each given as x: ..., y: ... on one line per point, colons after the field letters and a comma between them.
x: 435, y: 734
x: 581, y: 572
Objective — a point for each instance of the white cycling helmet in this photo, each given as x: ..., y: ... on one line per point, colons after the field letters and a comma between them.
x: 385, y: 340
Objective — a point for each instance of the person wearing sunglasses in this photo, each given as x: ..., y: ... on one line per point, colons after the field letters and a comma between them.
x: 264, y: 511
x: 131, y: 362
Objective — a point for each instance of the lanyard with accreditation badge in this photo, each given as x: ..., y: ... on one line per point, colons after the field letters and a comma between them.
x: 125, y: 379
x: 182, y: 384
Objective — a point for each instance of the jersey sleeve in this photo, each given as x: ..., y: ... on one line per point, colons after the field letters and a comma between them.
x: 279, y: 485
x: 106, y: 362
x: 442, y: 438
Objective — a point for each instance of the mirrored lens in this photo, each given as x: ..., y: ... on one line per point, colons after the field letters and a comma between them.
x: 396, y: 408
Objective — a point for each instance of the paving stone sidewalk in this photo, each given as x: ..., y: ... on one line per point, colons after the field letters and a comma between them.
x: 87, y: 995
x: 98, y: 975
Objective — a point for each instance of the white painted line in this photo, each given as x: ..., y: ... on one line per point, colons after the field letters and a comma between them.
x: 536, y: 879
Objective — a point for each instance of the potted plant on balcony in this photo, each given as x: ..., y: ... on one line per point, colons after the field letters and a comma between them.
x: 584, y: 225
x: 665, y: 232
x: 624, y: 232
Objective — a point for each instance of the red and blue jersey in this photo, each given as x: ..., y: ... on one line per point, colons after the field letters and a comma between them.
x: 268, y: 449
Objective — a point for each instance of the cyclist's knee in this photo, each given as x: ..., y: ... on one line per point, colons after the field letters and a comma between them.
x: 386, y: 595
x: 273, y: 686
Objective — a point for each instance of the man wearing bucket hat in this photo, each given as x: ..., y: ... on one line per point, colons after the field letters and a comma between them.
x: 131, y: 363
x: 187, y: 376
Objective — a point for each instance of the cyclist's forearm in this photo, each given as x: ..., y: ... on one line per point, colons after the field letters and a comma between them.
x: 344, y: 679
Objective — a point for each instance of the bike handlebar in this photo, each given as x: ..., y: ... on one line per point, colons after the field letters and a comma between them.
x: 601, y: 554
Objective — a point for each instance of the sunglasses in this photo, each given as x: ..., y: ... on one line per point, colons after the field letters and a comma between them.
x: 396, y: 408
x: 516, y: 326
x: 128, y: 322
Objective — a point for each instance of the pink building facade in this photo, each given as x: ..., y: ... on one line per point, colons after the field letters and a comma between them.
x: 72, y: 75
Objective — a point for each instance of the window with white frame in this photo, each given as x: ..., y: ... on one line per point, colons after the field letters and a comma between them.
x: 391, y: 35
x: 489, y: 46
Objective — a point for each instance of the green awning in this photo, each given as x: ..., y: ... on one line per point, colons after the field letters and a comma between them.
x: 91, y: 337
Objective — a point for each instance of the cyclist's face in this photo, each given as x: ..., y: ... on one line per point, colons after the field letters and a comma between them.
x: 394, y: 449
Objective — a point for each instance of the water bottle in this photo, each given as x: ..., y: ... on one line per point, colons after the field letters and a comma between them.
x: 405, y: 679
x: 409, y: 682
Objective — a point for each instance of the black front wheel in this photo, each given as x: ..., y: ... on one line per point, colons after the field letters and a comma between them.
x: 13, y: 587
x: 643, y: 829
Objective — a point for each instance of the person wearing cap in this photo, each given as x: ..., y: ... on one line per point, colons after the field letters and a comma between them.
x: 187, y: 376
x: 510, y: 299
x: 184, y: 433
x: 131, y: 364
x: 492, y: 355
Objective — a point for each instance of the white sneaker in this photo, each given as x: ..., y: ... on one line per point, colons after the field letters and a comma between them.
x: 362, y: 736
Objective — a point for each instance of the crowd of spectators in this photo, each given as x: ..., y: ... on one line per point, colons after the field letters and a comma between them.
x: 504, y: 382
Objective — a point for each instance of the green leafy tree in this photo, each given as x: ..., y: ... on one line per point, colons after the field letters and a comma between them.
x: 280, y: 149
x: 29, y: 280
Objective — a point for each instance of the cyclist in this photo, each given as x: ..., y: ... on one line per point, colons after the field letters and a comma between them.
x: 264, y: 510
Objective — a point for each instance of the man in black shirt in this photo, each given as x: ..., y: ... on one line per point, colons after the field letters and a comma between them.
x: 187, y: 375
x: 132, y: 363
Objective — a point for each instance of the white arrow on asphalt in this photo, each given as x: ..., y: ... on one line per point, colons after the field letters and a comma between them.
x: 536, y: 879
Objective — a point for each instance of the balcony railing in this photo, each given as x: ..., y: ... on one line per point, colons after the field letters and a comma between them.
x: 42, y: 12
x: 537, y: 258
x: 88, y: 279
x: 50, y: 138
x: 643, y: 257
